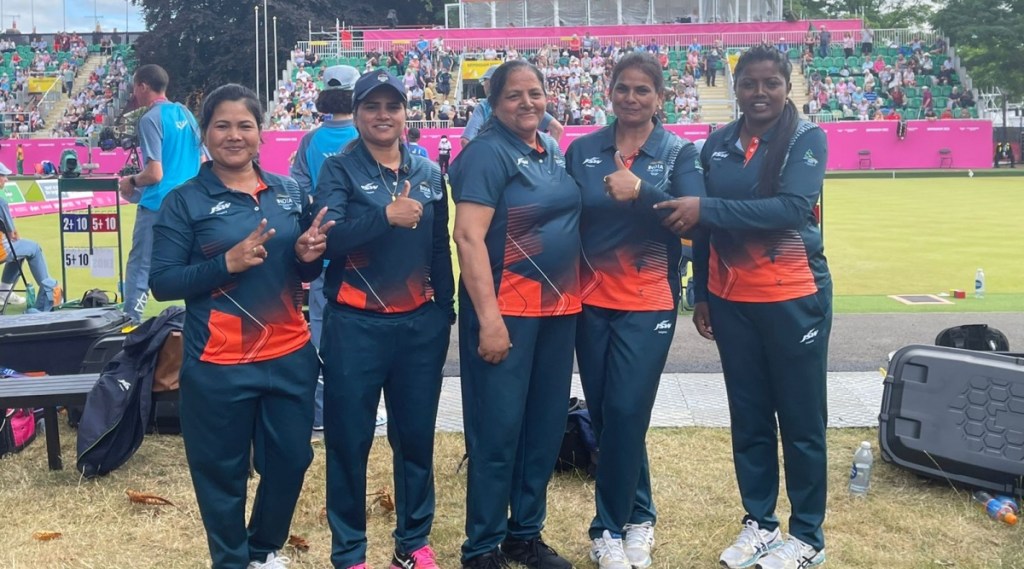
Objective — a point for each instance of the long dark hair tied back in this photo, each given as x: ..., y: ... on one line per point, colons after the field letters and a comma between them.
x: 770, y: 177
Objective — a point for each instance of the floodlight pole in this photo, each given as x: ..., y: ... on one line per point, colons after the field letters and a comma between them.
x: 274, y: 84
x: 258, y: 51
x: 266, y: 52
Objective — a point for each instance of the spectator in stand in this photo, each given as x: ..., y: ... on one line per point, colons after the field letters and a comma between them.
x: 848, y: 44
x: 967, y: 99
x: 867, y: 41
x: 954, y: 96
x: 927, y: 100
x: 575, y: 46
x: 947, y: 114
x: 711, y: 67
x: 171, y: 153
x: 809, y: 42
x: 824, y: 41
x: 929, y: 114
x: 392, y: 18
x: 965, y: 114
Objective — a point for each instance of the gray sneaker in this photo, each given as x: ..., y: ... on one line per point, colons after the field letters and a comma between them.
x: 794, y: 554
x: 639, y: 542
x: 608, y: 553
x: 751, y: 545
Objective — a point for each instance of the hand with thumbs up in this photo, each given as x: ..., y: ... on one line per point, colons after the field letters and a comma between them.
x: 404, y: 211
x: 622, y: 185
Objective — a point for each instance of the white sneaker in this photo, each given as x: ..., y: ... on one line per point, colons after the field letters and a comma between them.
x: 274, y: 561
x: 639, y: 543
x: 752, y: 544
x: 13, y: 298
x: 607, y: 552
x: 794, y: 554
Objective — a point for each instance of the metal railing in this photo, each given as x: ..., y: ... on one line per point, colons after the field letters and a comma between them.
x: 793, y: 39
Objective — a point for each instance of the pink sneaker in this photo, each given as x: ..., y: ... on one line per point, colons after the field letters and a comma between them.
x: 422, y: 558
x: 362, y: 565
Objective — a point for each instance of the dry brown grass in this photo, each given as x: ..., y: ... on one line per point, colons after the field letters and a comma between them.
x: 905, y: 523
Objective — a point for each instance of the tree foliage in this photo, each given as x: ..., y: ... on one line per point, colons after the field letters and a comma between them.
x: 878, y: 14
x: 206, y: 43
x: 989, y: 38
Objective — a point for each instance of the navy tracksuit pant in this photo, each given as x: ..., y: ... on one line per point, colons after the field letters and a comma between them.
x: 621, y: 355
x: 514, y: 415
x: 775, y: 358
x: 403, y: 355
x: 226, y: 410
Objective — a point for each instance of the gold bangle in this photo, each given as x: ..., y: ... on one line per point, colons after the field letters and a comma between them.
x: 636, y: 188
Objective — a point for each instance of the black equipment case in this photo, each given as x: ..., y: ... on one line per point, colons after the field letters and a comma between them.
x: 956, y: 415
x: 55, y: 342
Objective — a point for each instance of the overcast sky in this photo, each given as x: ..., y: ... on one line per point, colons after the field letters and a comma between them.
x: 79, y: 15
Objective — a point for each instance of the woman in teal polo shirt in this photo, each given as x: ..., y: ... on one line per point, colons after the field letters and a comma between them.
x: 764, y: 294
x: 516, y: 229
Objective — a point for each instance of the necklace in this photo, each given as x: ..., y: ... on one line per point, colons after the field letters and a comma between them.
x: 392, y: 190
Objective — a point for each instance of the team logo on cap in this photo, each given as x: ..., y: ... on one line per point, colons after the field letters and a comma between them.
x: 382, y: 77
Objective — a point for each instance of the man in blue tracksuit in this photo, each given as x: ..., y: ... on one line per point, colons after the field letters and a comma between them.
x: 171, y: 152
x: 315, y: 147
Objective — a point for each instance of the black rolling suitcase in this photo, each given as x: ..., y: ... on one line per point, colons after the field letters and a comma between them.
x: 55, y: 342
x: 956, y: 415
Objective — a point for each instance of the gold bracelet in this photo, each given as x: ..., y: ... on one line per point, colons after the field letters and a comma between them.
x: 636, y: 188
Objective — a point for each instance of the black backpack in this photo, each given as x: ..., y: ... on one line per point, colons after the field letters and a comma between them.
x: 979, y: 337
x: 579, y: 444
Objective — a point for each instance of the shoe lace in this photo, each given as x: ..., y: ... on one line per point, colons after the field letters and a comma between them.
x: 639, y: 535
x: 424, y: 558
x: 611, y: 548
x: 791, y: 550
x: 750, y: 535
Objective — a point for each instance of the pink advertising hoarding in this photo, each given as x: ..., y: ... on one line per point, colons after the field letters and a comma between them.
x: 454, y: 37
x: 969, y: 145
x: 969, y: 142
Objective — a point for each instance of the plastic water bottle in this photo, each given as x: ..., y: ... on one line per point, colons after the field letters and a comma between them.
x: 996, y: 509
x: 860, y: 473
x: 979, y: 284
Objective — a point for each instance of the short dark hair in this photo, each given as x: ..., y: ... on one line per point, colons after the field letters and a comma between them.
x: 500, y: 78
x: 334, y: 101
x: 152, y: 76
x: 644, y: 63
x: 413, y: 134
x: 231, y: 92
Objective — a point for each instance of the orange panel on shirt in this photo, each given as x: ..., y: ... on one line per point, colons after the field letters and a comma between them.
x: 751, y: 275
x: 234, y: 341
x: 626, y: 287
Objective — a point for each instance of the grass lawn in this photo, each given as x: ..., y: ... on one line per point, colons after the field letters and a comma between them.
x: 905, y: 522
x: 882, y: 237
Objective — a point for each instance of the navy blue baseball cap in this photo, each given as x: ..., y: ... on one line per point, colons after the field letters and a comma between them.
x: 373, y: 80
